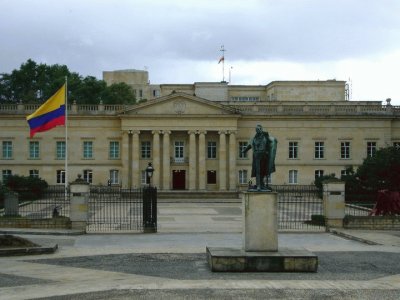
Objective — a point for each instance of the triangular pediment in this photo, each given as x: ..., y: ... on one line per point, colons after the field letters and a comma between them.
x: 179, y: 104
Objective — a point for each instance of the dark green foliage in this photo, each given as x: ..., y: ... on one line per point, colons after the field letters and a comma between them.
x: 35, y: 83
x: 379, y: 172
x: 28, y: 188
x: 3, y: 190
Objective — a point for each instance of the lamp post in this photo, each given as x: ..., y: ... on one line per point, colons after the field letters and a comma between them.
x: 149, y: 203
x: 149, y: 172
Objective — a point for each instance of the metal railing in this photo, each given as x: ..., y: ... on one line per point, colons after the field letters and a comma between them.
x: 299, y: 208
x: 115, y: 209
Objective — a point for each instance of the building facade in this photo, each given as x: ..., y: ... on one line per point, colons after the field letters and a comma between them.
x: 193, y: 134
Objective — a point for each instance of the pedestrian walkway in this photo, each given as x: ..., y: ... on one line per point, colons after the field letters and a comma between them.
x: 171, y: 264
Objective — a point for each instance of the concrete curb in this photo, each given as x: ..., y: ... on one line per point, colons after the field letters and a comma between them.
x: 28, y: 251
x: 352, y: 237
x: 40, y: 232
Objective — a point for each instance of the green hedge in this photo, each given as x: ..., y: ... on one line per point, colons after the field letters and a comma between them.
x: 28, y: 188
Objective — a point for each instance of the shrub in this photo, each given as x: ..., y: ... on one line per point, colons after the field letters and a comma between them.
x: 28, y: 188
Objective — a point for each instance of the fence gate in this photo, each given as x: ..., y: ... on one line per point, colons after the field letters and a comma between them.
x: 300, y: 207
x: 114, y: 209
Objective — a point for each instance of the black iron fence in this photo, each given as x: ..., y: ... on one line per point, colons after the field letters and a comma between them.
x: 299, y: 208
x: 54, y: 202
x: 115, y: 209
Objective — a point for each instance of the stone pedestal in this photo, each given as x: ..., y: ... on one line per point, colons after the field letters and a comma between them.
x: 334, y: 203
x: 11, y: 204
x: 260, y: 225
x: 79, y: 204
x: 260, y: 251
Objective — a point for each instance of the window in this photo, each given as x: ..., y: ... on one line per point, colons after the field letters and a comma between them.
x: 293, y: 150
x: 34, y: 150
x: 5, y: 174
x: 396, y: 145
x: 60, y: 176
x: 60, y: 150
x: 140, y: 94
x: 319, y: 150
x: 242, y: 147
x: 114, y: 176
x: 145, y: 149
x: 114, y: 150
x: 212, y: 150
x: 7, y: 150
x: 371, y: 149
x: 87, y: 149
x: 211, y: 177
x: 88, y: 176
x: 293, y: 176
x: 143, y: 177
x: 179, y: 151
x: 343, y: 173
x: 156, y: 93
x: 243, y: 176
x: 345, y: 150
x: 34, y: 173
x: 318, y: 173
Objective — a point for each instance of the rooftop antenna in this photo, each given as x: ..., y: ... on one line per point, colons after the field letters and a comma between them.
x: 230, y: 75
x: 222, y: 59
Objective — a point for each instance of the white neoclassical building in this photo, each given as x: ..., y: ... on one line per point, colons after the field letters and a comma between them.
x: 193, y: 134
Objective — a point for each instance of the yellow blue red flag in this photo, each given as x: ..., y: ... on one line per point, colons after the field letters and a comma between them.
x: 50, y: 114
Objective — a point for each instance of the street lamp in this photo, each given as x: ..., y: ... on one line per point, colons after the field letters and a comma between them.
x: 149, y: 172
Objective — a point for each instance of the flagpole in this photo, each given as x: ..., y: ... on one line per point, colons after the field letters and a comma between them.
x: 66, y: 139
x: 223, y: 62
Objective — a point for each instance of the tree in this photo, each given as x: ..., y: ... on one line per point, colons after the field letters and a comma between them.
x: 119, y: 93
x: 381, y: 171
x: 35, y: 83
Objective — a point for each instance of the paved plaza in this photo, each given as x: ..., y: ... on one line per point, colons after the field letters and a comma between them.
x: 171, y: 264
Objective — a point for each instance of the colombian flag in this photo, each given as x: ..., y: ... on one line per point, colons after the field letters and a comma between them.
x: 50, y: 114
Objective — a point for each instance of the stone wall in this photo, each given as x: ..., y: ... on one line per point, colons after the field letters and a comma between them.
x: 54, y: 223
x: 372, y: 222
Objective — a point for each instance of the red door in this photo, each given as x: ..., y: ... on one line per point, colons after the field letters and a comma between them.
x: 178, y: 179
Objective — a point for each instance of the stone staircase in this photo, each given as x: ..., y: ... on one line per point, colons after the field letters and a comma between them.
x: 198, y: 196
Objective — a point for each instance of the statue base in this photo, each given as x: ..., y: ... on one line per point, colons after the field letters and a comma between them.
x: 238, y: 260
x: 260, y: 242
x: 260, y: 222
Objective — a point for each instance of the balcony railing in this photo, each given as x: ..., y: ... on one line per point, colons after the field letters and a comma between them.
x: 260, y: 108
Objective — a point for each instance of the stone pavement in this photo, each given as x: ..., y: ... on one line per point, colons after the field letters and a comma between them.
x: 171, y: 264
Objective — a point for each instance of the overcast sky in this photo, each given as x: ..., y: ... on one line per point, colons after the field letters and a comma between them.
x: 179, y: 41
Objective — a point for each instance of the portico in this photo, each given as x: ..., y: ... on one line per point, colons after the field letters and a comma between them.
x: 190, y: 141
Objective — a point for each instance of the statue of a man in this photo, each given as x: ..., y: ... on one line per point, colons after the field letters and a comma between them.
x: 264, y: 152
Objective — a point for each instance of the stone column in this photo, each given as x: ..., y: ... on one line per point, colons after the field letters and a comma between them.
x: 80, y: 191
x: 135, y: 158
x: 192, y: 160
x: 232, y: 161
x: 129, y: 159
x: 202, y: 160
x: 334, y: 205
x: 156, y: 158
x: 166, y: 160
x: 125, y: 159
x: 222, y: 160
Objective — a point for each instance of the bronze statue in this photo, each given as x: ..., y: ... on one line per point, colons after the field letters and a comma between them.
x: 264, y: 152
